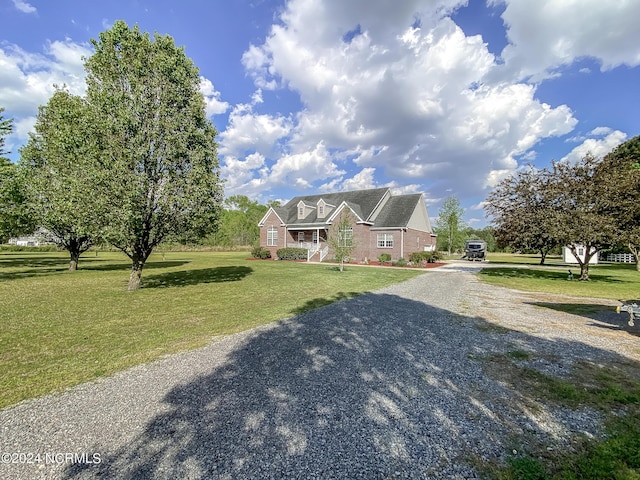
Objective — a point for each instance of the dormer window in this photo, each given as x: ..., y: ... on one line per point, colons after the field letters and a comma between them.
x: 321, y: 210
x: 302, y: 210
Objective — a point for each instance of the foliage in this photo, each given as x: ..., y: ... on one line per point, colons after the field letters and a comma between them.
x: 238, y: 222
x: 158, y: 177
x: 417, y: 258
x: 55, y: 163
x: 94, y: 327
x: 449, y: 227
x: 401, y: 262
x: 340, y: 238
x: 15, y: 218
x: 619, y: 180
x: 292, y: 253
x: 384, y: 257
x: 564, y: 205
x: 260, y: 252
x: 520, y: 206
x: 6, y: 127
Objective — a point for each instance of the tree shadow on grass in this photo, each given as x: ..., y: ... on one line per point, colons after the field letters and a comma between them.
x: 127, y: 266
x: 377, y: 386
x: 195, y: 277
x: 534, y: 273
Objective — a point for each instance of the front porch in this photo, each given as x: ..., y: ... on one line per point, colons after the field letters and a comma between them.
x: 314, y: 240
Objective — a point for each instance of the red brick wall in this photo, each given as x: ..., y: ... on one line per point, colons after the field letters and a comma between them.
x: 273, y: 221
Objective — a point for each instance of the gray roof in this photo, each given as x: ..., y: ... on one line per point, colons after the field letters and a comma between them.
x: 397, y: 211
x: 362, y: 202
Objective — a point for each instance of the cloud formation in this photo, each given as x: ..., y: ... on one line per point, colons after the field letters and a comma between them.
x: 24, y: 7
x: 406, y: 88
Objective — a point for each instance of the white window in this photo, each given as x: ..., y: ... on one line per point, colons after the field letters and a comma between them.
x: 315, y: 236
x: 272, y: 237
x: 321, y: 210
x: 300, y: 237
x: 385, y: 240
x: 345, y: 237
x: 301, y: 211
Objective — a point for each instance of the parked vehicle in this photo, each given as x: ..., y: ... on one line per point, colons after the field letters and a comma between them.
x: 475, y: 250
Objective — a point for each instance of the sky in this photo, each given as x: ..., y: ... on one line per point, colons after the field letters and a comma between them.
x: 440, y: 97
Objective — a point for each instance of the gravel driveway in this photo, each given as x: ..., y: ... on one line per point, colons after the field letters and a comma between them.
x: 390, y: 384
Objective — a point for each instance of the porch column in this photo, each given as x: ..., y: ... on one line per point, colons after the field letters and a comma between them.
x: 402, y: 243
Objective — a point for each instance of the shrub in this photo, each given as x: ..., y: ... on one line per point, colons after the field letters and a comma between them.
x: 259, y: 252
x: 292, y: 253
x: 400, y: 263
x: 384, y: 257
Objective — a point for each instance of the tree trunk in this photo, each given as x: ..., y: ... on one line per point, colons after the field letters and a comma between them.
x: 636, y: 254
x: 584, y: 271
x: 543, y: 256
x: 74, y: 253
x: 73, y: 263
x: 136, y: 275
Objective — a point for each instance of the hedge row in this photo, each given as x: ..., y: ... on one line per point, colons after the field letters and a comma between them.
x: 292, y: 253
x: 419, y: 257
x: 260, y: 252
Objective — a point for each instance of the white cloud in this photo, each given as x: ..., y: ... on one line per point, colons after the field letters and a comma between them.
x: 426, y: 103
x: 248, y: 131
x: 554, y: 33
x: 24, y: 7
x: 596, y: 147
x: 213, y: 104
x: 300, y: 170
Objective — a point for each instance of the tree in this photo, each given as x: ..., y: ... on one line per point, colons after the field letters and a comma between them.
x: 449, y: 226
x: 239, y: 222
x: 619, y: 178
x: 56, y: 163
x: 520, y: 207
x: 15, y: 217
x: 6, y: 127
x: 158, y: 175
x: 340, y: 238
x: 582, y: 214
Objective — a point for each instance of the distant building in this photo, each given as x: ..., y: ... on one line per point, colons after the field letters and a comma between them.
x: 36, y: 239
x: 569, y: 257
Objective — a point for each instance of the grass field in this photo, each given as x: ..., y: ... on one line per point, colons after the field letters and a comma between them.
x: 61, y: 328
x: 612, y: 281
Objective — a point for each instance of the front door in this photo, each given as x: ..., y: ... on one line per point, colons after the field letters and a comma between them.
x: 300, y: 238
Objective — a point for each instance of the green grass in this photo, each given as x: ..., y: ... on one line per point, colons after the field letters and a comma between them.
x: 613, y: 389
x: 61, y: 328
x: 617, y: 282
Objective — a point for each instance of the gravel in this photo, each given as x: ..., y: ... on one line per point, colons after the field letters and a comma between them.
x: 388, y: 385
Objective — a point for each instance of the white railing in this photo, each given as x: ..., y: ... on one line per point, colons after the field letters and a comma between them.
x: 323, y: 253
x: 307, y: 245
x: 621, y: 258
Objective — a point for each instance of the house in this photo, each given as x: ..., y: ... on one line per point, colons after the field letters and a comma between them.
x: 581, y: 250
x: 382, y: 223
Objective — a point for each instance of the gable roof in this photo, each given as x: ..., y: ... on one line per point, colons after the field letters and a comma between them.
x: 362, y: 202
x: 398, y: 211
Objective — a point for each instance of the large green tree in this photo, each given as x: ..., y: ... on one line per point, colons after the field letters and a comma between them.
x: 581, y: 210
x: 619, y: 178
x: 158, y: 176
x: 57, y: 163
x: 520, y: 207
x: 449, y: 226
x: 15, y: 217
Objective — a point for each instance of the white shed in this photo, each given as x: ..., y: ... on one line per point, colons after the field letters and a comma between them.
x: 569, y: 257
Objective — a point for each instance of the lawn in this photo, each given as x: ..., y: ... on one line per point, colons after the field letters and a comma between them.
x: 612, y: 281
x: 63, y: 328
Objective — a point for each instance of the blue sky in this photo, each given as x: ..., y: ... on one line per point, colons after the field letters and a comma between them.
x: 443, y: 97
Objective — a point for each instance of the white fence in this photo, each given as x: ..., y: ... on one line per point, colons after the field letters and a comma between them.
x: 621, y: 258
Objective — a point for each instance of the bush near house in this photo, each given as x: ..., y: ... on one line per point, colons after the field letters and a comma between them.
x: 292, y: 253
x: 260, y: 252
x: 384, y: 257
x: 418, y: 257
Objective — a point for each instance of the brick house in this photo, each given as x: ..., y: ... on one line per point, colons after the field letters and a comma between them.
x: 382, y: 223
